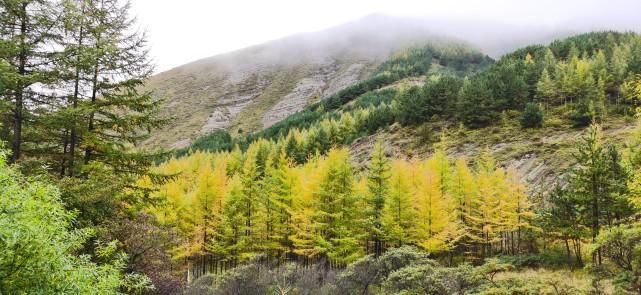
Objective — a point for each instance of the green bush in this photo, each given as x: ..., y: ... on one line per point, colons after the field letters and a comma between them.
x: 38, y: 246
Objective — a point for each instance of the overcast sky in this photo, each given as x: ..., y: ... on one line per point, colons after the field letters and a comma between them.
x: 181, y: 31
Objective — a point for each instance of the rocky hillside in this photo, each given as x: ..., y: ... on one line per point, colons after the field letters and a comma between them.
x: 255, y: 87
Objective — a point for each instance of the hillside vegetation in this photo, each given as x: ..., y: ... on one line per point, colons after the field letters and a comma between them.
x: 405, y: 168
x: 290, y: 193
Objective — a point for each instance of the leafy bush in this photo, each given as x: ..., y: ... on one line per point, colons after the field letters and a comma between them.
x: 420, y: 279
x: 37, y: 245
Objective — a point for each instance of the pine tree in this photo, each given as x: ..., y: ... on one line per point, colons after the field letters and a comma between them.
x: 378, y: 191
x: 410, y: 107
x: 590, y: 182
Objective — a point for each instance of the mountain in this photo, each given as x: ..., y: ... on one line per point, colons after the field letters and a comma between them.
x: 255, y: 87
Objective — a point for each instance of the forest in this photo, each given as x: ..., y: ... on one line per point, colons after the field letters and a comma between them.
x: 294, y: 208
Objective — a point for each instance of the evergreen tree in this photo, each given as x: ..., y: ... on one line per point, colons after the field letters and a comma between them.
x: 105, y: 62
x: 532, y: 116
x: 476, y: 105
x: 594, y: 185
x: 440, y: 96
x: 27, y: 29
x: 378, y: 191
x: 410, y: 107
x: 561, y: 220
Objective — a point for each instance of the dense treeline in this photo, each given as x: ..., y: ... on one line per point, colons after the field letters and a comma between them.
x: 588, y: 74
x: 71, y: 111
x: 231, y: 207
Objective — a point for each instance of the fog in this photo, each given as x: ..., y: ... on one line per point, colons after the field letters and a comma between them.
x: 188, y: 30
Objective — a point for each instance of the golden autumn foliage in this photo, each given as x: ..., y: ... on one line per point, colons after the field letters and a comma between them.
x: 237, y: 205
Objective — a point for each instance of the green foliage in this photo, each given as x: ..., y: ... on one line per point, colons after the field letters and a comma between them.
x: 410, y: 109
x: 532, y: 116
x: 219, y: 140
x: 437, y: 98
x: 378, y: 182
x: 37, y: 242
x: 622, y: 246
x: 416, y: 61
x: 476, y: 106
x: 420, y: 279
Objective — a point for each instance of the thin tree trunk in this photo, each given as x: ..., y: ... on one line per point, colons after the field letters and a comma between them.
x: 73, y: 141
x: 19, y: 95
x: 91, y: 127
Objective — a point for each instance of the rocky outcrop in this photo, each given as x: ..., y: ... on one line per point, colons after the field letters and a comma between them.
x: 326, y: 80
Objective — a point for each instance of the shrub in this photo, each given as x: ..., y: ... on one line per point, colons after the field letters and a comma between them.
x: 38, y: 245
x: 420, y: 279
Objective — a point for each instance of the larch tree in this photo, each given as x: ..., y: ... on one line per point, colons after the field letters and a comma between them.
x: 464, y: 194
x: 546, y: 89
x: 399, y: 217
x: 251, y: 210
x: 335, y: 209
x: 485, y: 203
x: 438, y: 227
x: 279, y: 189
x: 227, y: 243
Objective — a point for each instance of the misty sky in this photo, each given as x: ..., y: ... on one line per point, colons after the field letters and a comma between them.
x: 186, y: 30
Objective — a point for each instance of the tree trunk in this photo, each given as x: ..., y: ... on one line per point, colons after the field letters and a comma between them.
x: 90, y: 126
x: 19, y: 94
x: 73, y: 140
